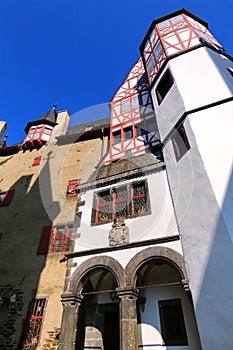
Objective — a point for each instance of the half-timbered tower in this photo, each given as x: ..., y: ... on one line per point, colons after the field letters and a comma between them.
x: 191, y: 84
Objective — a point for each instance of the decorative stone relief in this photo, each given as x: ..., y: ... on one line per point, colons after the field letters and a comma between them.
x: 119, y: 233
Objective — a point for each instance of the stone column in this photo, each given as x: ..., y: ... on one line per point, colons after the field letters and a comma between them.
x: 71, y: 304
x: 128, y: 318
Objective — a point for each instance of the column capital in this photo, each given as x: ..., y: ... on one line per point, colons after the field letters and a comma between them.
x: 127, y: 292
x: 70, y: 298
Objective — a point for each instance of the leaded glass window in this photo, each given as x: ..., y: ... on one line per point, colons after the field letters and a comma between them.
x: 120, y: 202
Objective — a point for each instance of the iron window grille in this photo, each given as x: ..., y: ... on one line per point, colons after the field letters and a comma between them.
x: 34, y: 326
x: 126, y: 201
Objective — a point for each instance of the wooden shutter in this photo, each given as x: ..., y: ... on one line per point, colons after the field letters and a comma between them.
x: 37, y: 161
x: 45, y: 238
x: 8, y: 197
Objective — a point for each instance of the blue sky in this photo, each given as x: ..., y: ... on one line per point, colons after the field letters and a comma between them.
x: 77, y: 53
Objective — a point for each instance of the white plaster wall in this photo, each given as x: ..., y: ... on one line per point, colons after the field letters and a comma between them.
x: 150, y: 322
x: 159, y: 223
x: 125, y: 255
x: 213, y: 131
x: 200, y: 78
x: 201, y: 187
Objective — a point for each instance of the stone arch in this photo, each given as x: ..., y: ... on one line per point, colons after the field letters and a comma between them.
x: 167, y: 254
x: 105, y: 262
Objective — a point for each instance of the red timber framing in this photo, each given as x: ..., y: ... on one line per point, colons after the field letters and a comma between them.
x: 171, y: 36
x: 132, y: 127
x: 121, y: 202
x: 37, y: 136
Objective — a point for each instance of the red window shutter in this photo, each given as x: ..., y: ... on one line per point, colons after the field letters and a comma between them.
x: 37, y: 161
x: 8, y: 197
x: 45, y: 238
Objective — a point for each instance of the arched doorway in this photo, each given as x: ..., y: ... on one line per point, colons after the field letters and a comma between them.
x: 165, y: 314
x: 98, y: 320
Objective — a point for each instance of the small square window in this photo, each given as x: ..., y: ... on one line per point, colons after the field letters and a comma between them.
x: 71, y: 189
x: 60, y: 240
x: 128, y: 133
x: 180, y: 142
x: 37, y: 161
x: 172, y: 322
x: 164, y: 86
x: 117, y: 137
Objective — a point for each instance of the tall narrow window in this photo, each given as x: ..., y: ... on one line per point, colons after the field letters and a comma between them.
x: 120, y: 202
x: 61, y: 239
x: 103, y: 207
x: 172, y: 322
x: 35, y: 324
x: 164, y: 86
x: 128, y: 133
x: 180, y: 142
x: 138, y: 198
x: 117, y: 137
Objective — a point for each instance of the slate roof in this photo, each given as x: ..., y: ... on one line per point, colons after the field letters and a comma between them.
x: 81, y: 128
x: 125, y: 168
x: 85, y: 131
x: 48, y: 118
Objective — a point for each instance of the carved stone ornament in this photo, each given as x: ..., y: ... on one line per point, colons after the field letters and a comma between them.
x: 119, y: 234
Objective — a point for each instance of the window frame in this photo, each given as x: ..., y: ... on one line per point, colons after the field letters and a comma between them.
x: 71, y: 188
x: 65, y: 239
x: 117, y: 137
x: 129, y: 201
x: 180, y: 142
x: 168, y: 322
x: 164, y: 86
x: 37, y: 161
x: 36, y: 319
